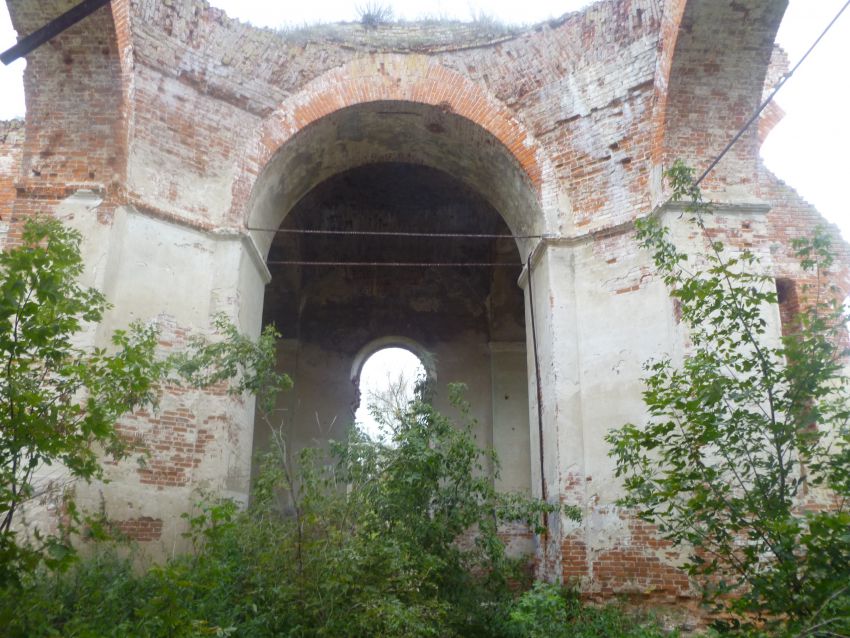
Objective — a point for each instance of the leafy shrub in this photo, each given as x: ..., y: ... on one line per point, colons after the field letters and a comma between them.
x: 549, y: 611
x: 59, y: 402
x: 746, y: 455
x: 367, y: 540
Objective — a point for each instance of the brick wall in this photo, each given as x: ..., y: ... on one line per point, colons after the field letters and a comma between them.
x: 143, y: 529
x: 713, y: 87
x: 75, y: 122
x: 172, y: 441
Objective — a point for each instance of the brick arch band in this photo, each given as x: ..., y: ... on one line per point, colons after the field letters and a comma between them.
x: 462, y: 121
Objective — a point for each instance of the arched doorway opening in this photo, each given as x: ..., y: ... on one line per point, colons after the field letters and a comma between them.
x: 402, y: 219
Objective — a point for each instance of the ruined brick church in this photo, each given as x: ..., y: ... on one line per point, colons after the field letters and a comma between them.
x: 194, y: 151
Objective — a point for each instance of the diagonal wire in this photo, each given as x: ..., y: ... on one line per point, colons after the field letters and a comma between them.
x: 769, y: 98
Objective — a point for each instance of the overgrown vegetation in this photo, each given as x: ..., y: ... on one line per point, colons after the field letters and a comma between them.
x: 549, y: 611
x: 60, y: 401
x: 746, y: 456
x: 57, y: 400
x: 745, y: 460
x: 422, y: 33
x: 364, y: 539
x: 387, y: 538
x: 104, y: 597
x: 373, y: 14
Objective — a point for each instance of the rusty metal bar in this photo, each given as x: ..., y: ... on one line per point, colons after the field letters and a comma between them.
x: 50, y: 30
x: 390, y: 233
x: 537, y: 377
x: 393, y: 264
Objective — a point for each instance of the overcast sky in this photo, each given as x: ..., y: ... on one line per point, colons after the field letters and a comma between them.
x: 808, y: 149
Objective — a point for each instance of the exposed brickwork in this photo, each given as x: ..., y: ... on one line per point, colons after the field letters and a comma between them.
x: 791, y: 216
x: 398, y: 79
x: 74, y: 121
x: 616, y: 553
x: 575, y: 567
x: 668, y: 38
x: 175, y: 445
x: 614, y: 249
x: 142, y: 529
x: 173, y: 441
x: 713, y: 89
x: 773, y: 114
x: 76, y: 124
x: 587, y: 114
x: 639, y: 564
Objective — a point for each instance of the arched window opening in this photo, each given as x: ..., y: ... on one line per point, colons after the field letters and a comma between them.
x: 387, y: 384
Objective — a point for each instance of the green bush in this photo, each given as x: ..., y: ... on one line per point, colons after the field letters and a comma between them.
x: 745, y: 456
x: 549, y: 611
x: 371, y: 539
x: 59, y: 402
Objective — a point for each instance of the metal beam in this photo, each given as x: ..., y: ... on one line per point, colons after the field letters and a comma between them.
x: 50, y: 30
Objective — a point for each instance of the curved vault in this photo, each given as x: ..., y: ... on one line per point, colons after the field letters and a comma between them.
x: 405, y: 132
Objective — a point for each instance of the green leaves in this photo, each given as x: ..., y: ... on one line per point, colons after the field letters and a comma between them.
x: 248, y: 366
x: 745, y: 455
x: 364, y: 539
x: 548, y: 611
x: 59, y: 401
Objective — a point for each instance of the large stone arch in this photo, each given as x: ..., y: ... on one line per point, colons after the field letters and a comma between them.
x: 394, y: 86
x: 401, y: 110
x: 709, y: 80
